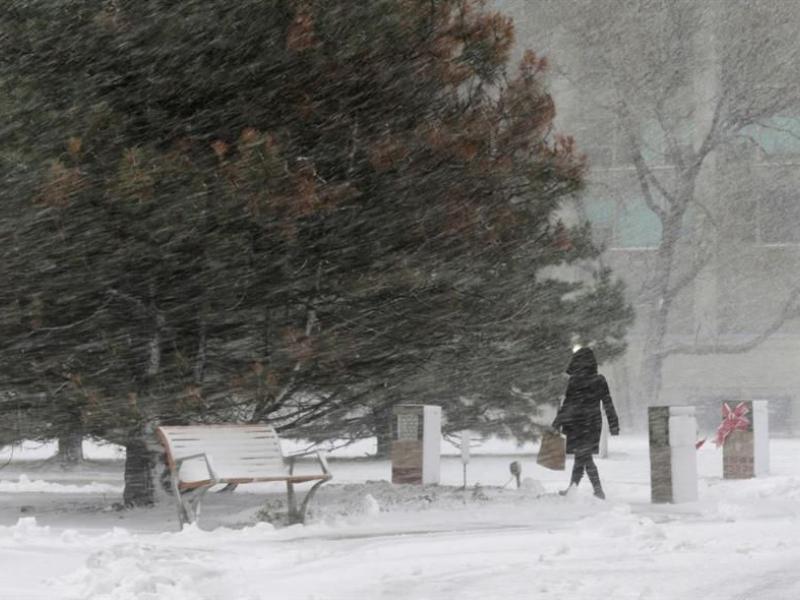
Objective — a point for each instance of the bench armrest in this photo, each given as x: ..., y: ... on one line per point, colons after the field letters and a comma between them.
x: 323, y: 461
x: 322, y: 457
x: 211, y: 474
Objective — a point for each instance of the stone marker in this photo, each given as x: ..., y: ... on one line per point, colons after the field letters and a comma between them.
x: 673, y: 456
x: 745, y: 451
x: 416, y: 443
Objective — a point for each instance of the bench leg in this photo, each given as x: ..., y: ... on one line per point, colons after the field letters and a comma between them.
x: 295, y: 515
x: 307, y: 499
x: 183, y: 517
x: 189, y: 505
x: 291, y: 501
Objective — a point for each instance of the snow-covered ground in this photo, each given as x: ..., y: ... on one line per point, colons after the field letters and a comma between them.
x: 62, y: 538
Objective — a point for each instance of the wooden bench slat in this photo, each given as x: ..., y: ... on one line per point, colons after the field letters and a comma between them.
x: 242, y: 480
x: 222, y: 451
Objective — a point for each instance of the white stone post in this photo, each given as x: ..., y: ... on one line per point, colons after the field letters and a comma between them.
x: 431, y: 444
x: 682, y: 439
x: 761, y: 438
x: 673, y: 456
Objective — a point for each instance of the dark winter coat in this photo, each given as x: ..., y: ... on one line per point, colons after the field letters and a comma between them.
x: 579, y: 417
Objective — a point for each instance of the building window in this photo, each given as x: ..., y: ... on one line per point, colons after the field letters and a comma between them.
x: 601, y: 214
x: 623, y: 224
x: 777, y: 206
x: 637, y: 226
x: 777, y: 140
x: 603, y: 143
x: 779, y: 218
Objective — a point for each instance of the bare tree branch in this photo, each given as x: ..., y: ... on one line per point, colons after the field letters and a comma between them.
x: 129, y: 298
x: 790, y: 310
x: 710, y: 140
x: 688, y: 276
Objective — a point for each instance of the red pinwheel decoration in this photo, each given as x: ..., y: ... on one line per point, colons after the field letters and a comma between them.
x: 733, y: 419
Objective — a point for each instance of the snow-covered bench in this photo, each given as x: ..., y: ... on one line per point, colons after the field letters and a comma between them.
x: 202, y: 456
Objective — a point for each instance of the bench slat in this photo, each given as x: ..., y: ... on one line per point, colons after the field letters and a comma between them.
x: 294, y: 479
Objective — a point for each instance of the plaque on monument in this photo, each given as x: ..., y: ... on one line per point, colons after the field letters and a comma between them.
x: 408, y: 426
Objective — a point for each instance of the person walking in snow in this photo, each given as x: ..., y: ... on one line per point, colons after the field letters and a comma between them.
x: 580, y: 419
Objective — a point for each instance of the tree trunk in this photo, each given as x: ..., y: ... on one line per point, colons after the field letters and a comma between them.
x: 651, y: 381
x: 199, y: 370
x: 70, y: 449
x: 660, y: 303
x: 652, y: 360
x: 384, y: 448
x: 154, y: 347
x: 139, y: 485
x: 383, y: 432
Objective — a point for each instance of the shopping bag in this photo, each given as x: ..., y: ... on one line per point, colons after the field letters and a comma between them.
x: 552, y: 452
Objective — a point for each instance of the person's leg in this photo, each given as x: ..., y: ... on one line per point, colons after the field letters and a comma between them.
x: 577, y: 471
x: 594, y: 477
x: 578, y: 467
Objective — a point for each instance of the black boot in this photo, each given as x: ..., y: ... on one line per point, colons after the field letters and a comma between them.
x: 594, y: 477
x: 577, y: 474
x: 566, y: 491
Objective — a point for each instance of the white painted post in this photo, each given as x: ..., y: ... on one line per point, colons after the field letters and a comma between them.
x: 760, y: 438
x: 431, y: 443
x: 682, y: 438
x: 465, y: 440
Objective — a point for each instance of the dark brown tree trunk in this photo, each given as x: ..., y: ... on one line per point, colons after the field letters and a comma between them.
x: 383, y: 432
x: 139, y: 485
x: 70, y: 449
x: 384, y: 449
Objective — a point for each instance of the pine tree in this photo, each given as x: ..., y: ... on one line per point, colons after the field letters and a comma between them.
x: 293, y: 211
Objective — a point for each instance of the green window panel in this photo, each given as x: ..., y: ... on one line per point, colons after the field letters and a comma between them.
x: 630, y: 224
x: 600, y: 212
x: 780, y: 137
x: 637, y: 226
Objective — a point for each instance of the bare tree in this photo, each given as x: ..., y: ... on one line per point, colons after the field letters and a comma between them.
x: 684, y: 87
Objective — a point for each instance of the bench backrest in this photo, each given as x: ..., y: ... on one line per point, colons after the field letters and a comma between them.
x: 235, y: 451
